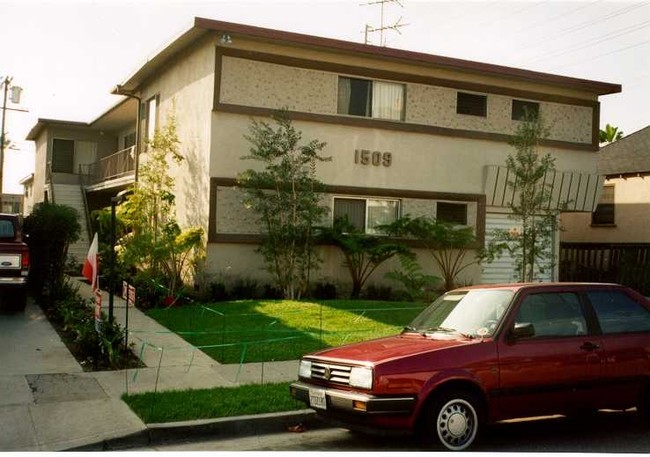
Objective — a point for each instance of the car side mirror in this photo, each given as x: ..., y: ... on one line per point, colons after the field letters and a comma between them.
x: 522, y: 330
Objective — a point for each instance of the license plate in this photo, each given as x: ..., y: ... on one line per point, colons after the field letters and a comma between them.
x: 317, y: 398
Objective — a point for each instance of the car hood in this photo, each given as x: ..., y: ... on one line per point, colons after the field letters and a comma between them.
x: 386, y: 349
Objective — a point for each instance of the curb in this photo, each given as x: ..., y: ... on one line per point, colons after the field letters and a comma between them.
x: 221, y: 428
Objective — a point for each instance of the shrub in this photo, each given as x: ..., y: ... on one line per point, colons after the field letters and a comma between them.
x: 374, y: 292
x: 51, y: 229
x: 324, y: 291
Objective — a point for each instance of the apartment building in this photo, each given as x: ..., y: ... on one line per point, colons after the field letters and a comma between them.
x: 408, y: 133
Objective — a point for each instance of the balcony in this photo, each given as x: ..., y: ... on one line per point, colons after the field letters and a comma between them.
x: 117, y: 166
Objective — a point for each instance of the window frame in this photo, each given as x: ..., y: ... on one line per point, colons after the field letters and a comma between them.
x: 519, y: 108
x: 151, y: 123
x: 584, y: 314
x: 598, y: 314
x: 466, y: 106
x: 341, y: 109
x: 367, y: 229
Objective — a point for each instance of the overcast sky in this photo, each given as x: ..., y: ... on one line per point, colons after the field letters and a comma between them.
x: 68, y: 55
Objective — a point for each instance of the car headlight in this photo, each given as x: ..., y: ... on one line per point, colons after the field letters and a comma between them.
x: 304, y: 370
x: 361, y: 377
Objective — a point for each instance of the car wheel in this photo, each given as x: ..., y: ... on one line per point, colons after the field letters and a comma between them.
x: 455, y: 419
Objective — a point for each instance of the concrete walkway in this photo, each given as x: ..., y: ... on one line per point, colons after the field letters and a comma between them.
x: 48, y: 403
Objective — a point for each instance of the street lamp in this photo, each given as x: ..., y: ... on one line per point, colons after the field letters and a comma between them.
x: 14, y: 98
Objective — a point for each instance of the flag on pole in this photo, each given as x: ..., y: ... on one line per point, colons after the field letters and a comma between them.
x: 91, y: 265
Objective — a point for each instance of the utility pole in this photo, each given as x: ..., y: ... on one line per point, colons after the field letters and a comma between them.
x: 15, y: 98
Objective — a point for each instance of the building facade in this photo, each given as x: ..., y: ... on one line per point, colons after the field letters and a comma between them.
x: 408, y: 133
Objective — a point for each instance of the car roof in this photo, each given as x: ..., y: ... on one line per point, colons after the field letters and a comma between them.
x: 515, y: 287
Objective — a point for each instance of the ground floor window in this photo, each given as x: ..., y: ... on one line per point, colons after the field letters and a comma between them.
x: 454, y: 213
x: 366, y: 214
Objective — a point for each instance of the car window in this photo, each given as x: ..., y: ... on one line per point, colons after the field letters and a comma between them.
x: 553, y: 314
x: 618, y: 313
x: 474, y: 312
x: 6, y: 229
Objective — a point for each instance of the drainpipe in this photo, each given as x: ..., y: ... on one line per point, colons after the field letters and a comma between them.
x: 131, y: 94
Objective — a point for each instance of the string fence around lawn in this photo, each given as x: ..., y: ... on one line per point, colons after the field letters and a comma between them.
x: 235, y: 339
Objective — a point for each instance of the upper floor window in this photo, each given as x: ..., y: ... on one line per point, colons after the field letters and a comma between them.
x: 152, y: 117
x: 605, y: 211
x: 522, y: 110
x: 472, y: 104
x: 128, y: 140
x: 455, y: 213
x: 376, y: 99
x: 62, y: 156
x: 366, y: 214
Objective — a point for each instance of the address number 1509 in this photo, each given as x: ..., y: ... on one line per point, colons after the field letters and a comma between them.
x: 376, y: 158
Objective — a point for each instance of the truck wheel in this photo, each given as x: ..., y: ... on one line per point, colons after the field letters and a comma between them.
x: 455, y: 418
x: 20, y: 300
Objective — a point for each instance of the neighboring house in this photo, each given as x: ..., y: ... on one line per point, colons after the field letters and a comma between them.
x: 28, y: 193
x: 409, y: 133
x: 615, y: 239
x: 12, y: 203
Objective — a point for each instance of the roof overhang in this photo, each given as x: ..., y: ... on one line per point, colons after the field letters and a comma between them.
x: 204, y: 26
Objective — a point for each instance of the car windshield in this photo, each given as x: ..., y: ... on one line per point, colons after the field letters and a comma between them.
x: 471, y: 313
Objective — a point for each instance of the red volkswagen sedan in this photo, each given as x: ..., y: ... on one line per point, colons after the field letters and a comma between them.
x: 488, y: 353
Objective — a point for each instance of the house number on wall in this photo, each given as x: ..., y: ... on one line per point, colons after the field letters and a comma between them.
x: 376, y: 158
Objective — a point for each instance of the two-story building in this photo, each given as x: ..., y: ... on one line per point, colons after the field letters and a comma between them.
x: 409, y: 133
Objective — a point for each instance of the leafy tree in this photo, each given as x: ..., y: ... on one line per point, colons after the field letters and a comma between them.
x: 284, y: 195
x: 531, y: 246
x: 610, y: 134
x: 363, y: 253
x: 418, y: 285
x: 156, y: 245
x: 446, y: 242
x: 51, y: 228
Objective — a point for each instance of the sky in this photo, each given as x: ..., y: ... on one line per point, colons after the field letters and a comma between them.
x: 67, y: 55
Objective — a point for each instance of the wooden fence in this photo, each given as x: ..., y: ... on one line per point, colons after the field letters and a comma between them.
x: 623, y: 263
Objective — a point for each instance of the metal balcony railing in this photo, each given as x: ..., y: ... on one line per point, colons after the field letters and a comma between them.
x: 114, y: 166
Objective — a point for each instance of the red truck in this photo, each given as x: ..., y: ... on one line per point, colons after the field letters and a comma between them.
x: 14, y: 263
x: 487, y: 353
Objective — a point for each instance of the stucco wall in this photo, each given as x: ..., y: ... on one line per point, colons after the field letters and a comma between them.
x: 632, y: 216
x: 185, y: 88
x: 267, y: 85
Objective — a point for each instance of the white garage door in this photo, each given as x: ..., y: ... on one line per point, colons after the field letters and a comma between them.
x: 502, y: 269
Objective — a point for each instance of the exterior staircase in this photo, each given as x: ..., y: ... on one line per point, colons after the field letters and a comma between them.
x: 71, y: 195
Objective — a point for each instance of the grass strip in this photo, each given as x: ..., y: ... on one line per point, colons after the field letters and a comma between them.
x: 192, y: 404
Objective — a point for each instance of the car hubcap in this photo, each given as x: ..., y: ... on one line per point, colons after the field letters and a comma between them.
x: 457, y: 424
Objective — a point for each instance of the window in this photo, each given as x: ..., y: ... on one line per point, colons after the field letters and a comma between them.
x: 6, y: 229
x: 605, y: 211
x: 62, y: 156
x: 618, y: 313
x: 152, y: 117
x: 522, y: 109
x: 553, y: 314
x: 455, y: 213
x: 472, y: 104
x: 377, y: 99
x: 128, y: 140
x: 366, y: 214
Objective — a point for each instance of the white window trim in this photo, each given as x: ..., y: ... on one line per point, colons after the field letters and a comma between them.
x: 366, y: 199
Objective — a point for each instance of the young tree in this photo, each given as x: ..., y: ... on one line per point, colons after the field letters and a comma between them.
x: 531, y: 246
x: 156, y: 244
x: 284, y: 195
x: 363, y: 253
x: 447, y: 243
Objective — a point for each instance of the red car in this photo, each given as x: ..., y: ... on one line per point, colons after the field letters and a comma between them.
x: 14, y: 263
x: 487, y: 353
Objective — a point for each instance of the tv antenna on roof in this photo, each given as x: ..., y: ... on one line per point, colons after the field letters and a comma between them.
x: 370, y: 29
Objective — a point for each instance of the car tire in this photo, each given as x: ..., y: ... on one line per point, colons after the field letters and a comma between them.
x: 455, y: 419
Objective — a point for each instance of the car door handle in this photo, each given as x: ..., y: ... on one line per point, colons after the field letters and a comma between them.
x: 589, y: 346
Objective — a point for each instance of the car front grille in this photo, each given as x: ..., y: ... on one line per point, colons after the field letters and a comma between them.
x: 337, y: 374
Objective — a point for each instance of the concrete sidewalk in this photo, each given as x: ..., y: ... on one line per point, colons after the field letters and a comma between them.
x: 48, y: 403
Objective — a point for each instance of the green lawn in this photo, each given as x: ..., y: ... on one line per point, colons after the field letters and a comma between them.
x: 212, y: 403
x: 268, y: 330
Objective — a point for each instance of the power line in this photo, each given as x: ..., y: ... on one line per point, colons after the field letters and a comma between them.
x: 603, y: 55
x: 591, y: 42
